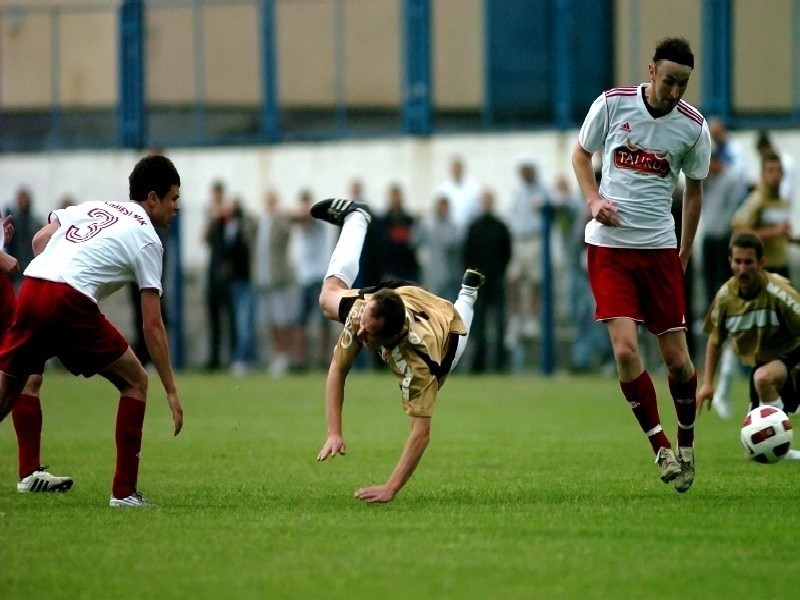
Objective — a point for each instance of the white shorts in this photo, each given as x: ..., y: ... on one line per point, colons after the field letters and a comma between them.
x: 526, y: 260
x: 275, y: 307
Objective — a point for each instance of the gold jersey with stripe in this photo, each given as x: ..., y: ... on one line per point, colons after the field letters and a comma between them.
x: 424, y: 354
x: 761, y: 328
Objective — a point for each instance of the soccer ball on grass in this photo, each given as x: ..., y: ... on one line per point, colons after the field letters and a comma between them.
x: 767, y: 434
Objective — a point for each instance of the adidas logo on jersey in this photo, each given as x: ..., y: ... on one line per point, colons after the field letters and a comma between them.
x: 625, y: 127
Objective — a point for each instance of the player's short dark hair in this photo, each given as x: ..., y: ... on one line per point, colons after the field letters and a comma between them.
x: 388, y: 305
x: 153, y: 173
x: 746, y: 240
x: 674, y: 49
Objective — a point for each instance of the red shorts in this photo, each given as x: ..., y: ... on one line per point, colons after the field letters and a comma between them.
x: 8, y: 302
x: 644, y: 285
x: 54, y: 319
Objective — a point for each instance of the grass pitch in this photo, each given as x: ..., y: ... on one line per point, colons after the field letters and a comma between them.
x: 530, y: 488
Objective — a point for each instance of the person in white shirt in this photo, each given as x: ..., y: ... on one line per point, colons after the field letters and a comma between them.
x: 647, y: 135
x: 463, y: 193
x: 82, y: 255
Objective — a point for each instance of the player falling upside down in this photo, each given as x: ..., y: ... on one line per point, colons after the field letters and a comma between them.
x: 83, y: 254
x: 420, y: 336
x: 647, y: 135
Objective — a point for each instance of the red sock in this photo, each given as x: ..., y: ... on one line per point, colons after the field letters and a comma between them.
x: 130, y: 416
x: 684, y: 396
x: 27, y: 417
x: 641, y: 395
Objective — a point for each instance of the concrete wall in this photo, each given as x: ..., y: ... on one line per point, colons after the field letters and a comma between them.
x: 354, y: 55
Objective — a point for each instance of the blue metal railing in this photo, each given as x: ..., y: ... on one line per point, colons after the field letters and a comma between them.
x: 537, y: 80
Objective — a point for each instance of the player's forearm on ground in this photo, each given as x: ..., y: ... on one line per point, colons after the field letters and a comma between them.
x: 334, y: 398
x: 584, y: 173
x: 412, y: 453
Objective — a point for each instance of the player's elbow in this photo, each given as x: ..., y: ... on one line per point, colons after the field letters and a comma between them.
x: 40, y: 239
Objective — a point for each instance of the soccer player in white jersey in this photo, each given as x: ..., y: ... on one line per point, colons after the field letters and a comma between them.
x: 647, y: 135
x: 420, y: 336
x: 83, y: 254
x: 27, y: 412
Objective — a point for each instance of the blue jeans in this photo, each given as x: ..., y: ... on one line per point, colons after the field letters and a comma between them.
x: 244, y: 317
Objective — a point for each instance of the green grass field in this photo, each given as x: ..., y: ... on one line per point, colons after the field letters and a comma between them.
x: 530, y: 488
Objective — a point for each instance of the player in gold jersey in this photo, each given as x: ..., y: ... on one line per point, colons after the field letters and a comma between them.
x: 419, y: 335
x: 759, y: 312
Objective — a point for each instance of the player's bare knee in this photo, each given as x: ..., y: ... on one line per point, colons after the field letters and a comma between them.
x: 33, y: 385
x: 763, y: 381
x: 626, y: 353
x: 332, y: 290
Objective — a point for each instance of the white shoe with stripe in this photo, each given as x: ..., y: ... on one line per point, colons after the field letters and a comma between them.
x: 135, y: 500
x: 41, y: 480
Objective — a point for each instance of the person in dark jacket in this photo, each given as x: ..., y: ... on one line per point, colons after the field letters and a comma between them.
x: 487, y: 248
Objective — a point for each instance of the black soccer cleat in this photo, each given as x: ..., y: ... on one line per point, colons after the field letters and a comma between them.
x: 334, y: 210
x: 473, y: 279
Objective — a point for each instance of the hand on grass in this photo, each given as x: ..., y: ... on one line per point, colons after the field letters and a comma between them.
x: 333, y: 445
x: 375, y: 494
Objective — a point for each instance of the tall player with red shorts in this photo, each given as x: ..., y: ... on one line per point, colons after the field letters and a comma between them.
x: 27, y: 412
x: 647, y: 135
x: 83, y: 254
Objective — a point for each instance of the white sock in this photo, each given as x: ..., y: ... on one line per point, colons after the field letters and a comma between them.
x: 725, y: 375
x: 464, y: 305
x: 777, y: 403
x: 344, y: 260
x: 792, y: 454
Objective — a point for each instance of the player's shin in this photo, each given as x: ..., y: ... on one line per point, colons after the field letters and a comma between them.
x: 684, y: 397
x: 130, y: 417
x: 27, y: 417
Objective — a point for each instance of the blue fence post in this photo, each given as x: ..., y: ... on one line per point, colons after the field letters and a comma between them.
x: 717, y: 31
x: 546, y: 316
x: 562, y: 29
x: 417, y: 67
x: 131, y: 129
x: 270, y: 110
x: 55, y: 136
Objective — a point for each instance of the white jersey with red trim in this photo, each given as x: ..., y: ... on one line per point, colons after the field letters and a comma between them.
x: 99, y: 247
x: 642, y: 160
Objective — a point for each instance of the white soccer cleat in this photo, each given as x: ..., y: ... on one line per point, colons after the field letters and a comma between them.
x: 41, y: 480
x: 135, y: 500
x: 686, y: 477
x: 668, y: 465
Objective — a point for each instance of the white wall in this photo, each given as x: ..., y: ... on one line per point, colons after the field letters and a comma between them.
x: 419, y: 165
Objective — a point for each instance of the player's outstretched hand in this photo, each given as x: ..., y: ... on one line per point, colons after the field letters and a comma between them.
x: 333, y: 445
x: 705, y: 396
x: 177, y: 411
x: 375, y: 494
